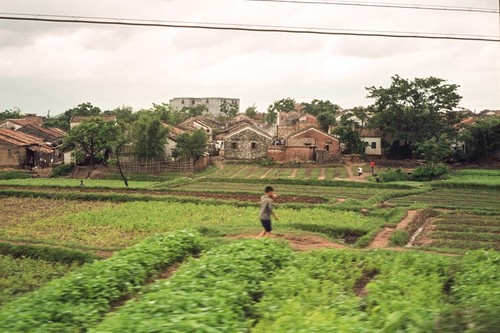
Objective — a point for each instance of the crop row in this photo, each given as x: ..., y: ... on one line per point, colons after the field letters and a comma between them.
x: 78, y: 300
x: 21, y: 275
x: 215, y: 293
x: 255, y: 172
x: 68, y: 182
x: 116, y: 226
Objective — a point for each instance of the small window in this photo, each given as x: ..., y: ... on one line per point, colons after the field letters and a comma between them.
x: 192, y: 102
x: 182, y: 102
x: 10, y: 152
x: 234, y: 145
x: 207, y: 101
x: 374, y: 145
x: 327, y: 147
x: 254, y: 145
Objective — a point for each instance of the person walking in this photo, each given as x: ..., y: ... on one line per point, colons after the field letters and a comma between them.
x: 360, y: 171
x: 267, y: 210
x: 372, y: 166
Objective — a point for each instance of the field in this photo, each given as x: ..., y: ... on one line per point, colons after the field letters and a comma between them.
x: 179, y: 254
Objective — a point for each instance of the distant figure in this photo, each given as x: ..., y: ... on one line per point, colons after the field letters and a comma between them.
x: 82, y: 184
x: 266, y: 211
x: 360, y: 171
x: 372, y: 166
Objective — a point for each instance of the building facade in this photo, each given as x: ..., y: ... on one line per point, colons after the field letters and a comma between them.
x: 213, y: 104
x: 246, y: 142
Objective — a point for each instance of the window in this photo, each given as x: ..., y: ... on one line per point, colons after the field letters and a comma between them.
x: 234, y: 145
x: 374, y: 145
x: 10, y: 152
x: 327, y: 147
x: 254, y: 145
x: 192, y: 102
x: 207, y: 101
x: 182, y: 102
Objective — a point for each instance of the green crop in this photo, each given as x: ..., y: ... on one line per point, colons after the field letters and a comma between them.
x: 78, y: 300
x: 215, y: 293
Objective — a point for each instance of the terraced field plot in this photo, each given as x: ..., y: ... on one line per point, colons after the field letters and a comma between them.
x: 333, y: 192
x: 454, y: 199
x: 63, y: 182
x: 110, y: 226
x: 258, y: 172
x: 462, y: 231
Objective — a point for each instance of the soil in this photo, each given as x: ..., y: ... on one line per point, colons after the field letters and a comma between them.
x: 208, y: 195
x: 294, y: 173
x: 382, y: 238
x: 360, y: 285
x: 301, y: 242
x: 322, y: 174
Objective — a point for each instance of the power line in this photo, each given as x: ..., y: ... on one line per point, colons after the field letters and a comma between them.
x: 240, y: 27
x: 387, y: 5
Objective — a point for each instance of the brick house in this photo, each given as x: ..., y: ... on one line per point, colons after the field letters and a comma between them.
x: 245, y: 142
x: 18, y: 149
x: 53, y: 135
x: 307, y: 144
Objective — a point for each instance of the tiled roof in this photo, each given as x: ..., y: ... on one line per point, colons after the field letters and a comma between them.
x: 18, y: 138
x: 56, y: 133
x: 370, y: 132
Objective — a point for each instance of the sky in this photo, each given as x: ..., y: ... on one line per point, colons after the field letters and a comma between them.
x: 55, y: 66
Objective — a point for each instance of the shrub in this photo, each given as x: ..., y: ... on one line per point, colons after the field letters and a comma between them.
x: 394, y: 175
x: 15, y: 174
x: 267, y: 162
x: 426, y: 173
x: 63, y: 170
x: 399, y: 238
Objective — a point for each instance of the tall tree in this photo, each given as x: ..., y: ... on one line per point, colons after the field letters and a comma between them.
x: 124, y: 114
x: 482, y: 139
x: 349, y: 136
x: 14, y: 113
x: 84, y: 109
x: 122, y: 139
x: 318, y: 106
x: 435, y: 149
x: 282, y: 105
x: 149, y: 136
x: 192, y: 145
x: 229, y: 110
x: 415, y: 111
x: 92, y: 137
x: 251, y: 111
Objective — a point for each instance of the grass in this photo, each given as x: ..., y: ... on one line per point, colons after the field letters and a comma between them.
x: 68, y: 182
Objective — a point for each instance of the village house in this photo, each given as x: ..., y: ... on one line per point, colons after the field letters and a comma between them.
x: 53, y: 136
x: 213, y: 104
x: 289, y: 123
x: 245, y: 142
x: 15, y: 124
x: 173, y: 133
x: 373, y: 140
x: 306, y: 144
x: 19, y: 149
x: 209, y: 125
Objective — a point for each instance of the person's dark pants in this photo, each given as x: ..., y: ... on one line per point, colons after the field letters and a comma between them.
x: 267, y: 225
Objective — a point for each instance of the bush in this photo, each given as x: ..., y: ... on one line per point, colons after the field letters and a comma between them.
x: 399, y: 238
x: 63, y: 170
x: 267, y: 162
x: 426, y: 173
x: 394, y: 175
x: 5, y: 175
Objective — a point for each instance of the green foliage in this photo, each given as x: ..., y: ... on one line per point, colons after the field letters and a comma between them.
x: 251, y: 111
x: 399, y: 238
x: 124, y: 114
x: 351, y: 138
x: 267, y: 162
x: 325, y: 111
x: 192, y: 145
x: 14, y: 174
x: 392, y: 175
x: 92, y: 136
x: 19, y: 276
x: 482, y: 139
x: 11, y: 114
x: 435, y: 149
x: 426, y: 173
x: 149, y: 136
x: 229, y: 110
x: 84, y: 109
x: 78, y: 300
x: 46, y: 253
x: 216, y: 293
x: 282, y: 105
x: 411, y: 111
x: 63, y: 170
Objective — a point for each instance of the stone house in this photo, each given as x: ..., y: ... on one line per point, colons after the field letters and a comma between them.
x: 18, y: 149
x: 245, y: 142
x: 307, y: 144
x: 206, y: 124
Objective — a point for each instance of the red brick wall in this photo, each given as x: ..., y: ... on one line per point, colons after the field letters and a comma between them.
x: 321, y: 140
x: 12, y: 156
x: 276, y: 153
x: 299, y: 154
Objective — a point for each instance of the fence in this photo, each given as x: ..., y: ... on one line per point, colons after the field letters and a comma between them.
x: 155, y: 166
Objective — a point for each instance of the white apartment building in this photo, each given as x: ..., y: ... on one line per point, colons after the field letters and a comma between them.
x: 212, y: 103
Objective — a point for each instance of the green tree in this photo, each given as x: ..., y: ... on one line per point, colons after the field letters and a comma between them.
x: 192, y: 145
x: 92, y: 138
x: 349, y: 136
x: 415, y: 111
x: 229, y: 110
x: 251, y: 111
x: 326, y: 119
x: 362, y: 113
x: 482, y: 139
x: 195, y: 111
x: 120, y: 141
x: 84, y: 109
x: 14, y: 113
x: 124, y: 114
x: 282, y: 105
x: 435, y: 149
x: 149, y: 136
x: 317, y: 106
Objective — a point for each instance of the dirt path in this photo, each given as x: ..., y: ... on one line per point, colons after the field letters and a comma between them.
x: 294, y: 173
x: 301, y: 242
x: 322, y: 174
x: 382, y: 238
x: 239, y: 171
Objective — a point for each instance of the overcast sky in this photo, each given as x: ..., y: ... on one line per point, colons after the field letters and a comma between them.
x: 54, y: 66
